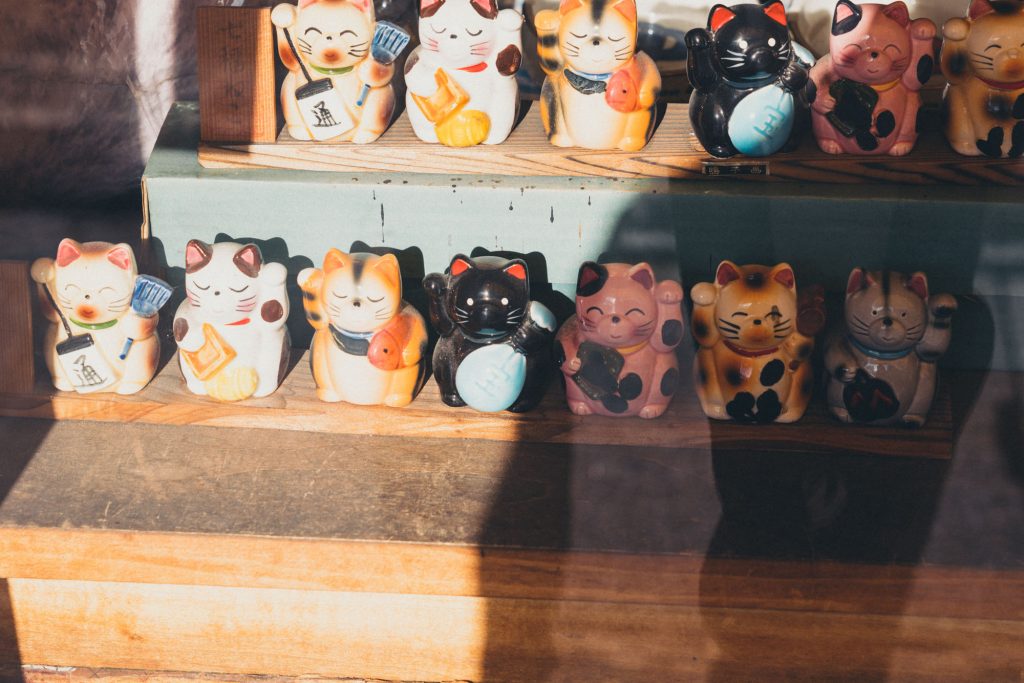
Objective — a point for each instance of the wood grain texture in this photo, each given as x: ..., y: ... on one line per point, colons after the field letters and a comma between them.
x: 295, y: 407
x: 17, y: 365
x: 674, y: 152
x: 236, y: 74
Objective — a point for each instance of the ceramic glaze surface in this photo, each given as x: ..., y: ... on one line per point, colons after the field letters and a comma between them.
x: 320, y: 95
x: 867, y: 97
x: 230, y: 329
x: 753, y: 364
x: 618, y: 351
x: 748, y: 80
x: 600, y: 92
x: 92, y: 284
x: 494, y: 351
x: 983, y: 60
x: 369, y: 344
x: 881, y: 362
x: 461, y: 81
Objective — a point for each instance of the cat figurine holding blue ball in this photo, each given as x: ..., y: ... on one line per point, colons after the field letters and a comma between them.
x: 749, y: 81
x: 494, y: 351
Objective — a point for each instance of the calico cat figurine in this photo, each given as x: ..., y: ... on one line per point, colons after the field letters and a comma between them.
x: 369, y: 344
x: 600, y: 92
x: 92, y: 286
x: 618, y: 351
x: 881, y: 364
x: 749, y: 83
x: 230, y: 329
x: 867, y: 87
x: 753, y: 364
x: 461, y: 80
x: 325, y: 45
x: 983, y: 60
x: 494, y: 352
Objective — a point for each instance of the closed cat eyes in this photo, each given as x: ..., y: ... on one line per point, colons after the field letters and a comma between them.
x: 376, y: 301
x: 474, y: 34
x: 635, y: 310
x: 200, y: 287
x: 575, y: 35
x: 595, y: 308
x: 239, y: 291
x: 438, y: 30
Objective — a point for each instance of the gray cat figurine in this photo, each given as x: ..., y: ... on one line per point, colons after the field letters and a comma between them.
x: 881, y: 365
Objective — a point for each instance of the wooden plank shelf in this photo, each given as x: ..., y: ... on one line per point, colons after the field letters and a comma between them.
x: 295, y: 407
x: 674, y: 152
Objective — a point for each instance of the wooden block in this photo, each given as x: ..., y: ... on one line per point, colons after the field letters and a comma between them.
x: 17, y: 365
x: 237, y: 98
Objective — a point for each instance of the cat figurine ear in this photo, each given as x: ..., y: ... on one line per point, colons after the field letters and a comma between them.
x: 720, y: 15
x: 517, y: 269
x: 918, y: 284
x: 726, y: 273
x: 122, y: 257
x: 249, y: 260
x: 776, y: 11
x: 626, y: 8
x: 567, y: 6
x: 783, y: 274
x: 335, y: 259
x: 859, y: 279
x: 68, y: 251
x: 980, y: 8
x: 459, y: 265
x: 846, y: 17
x: 898, y: 12
x: 197, y: 255
x: 591, y: 279
x: 387, y: 267
x: 643, y: 274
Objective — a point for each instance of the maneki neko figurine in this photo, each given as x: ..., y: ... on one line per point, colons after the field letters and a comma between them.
x: 103, y: 317
x: 369, y: 347
x: 230, y: 329
x: 340, y: 63
x: 618, y: 351
x: 600, y: 92
x: 754, y: 360
x: 749, y: 82
x: 881, y: 364
x: 983, y: 60
x: 494, y: 351
x: 461, y: 80
x: 867, y: 86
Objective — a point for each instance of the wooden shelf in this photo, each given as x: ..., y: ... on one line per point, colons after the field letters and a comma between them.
x: 674, y: 152
x: 295, y: 407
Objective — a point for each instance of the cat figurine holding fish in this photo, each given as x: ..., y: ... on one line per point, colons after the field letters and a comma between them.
x: 326, y: 47
x: 461, y: 80
x: 749, y: 83
x: 599, y: 91
x: 92, y: 285
x: 867, y: 87
x: 881, y: 364
x: 983, y: 60
x: 753, y: 363
x: 618, y: 352
x: 369, y: 347
x: 230, y: 329
x: 494, y: 351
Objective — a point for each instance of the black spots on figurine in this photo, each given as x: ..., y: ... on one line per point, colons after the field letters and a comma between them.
x: 744, y: 408
x: 1017, y: 140
x: 702, y: 375
x: 885, y: 123
x: 866, y: 141
x: 998, y: 107
x: 924, y: 69
x: 272, y: 311
x: 993, y: 145
x: 309, y: 296
x: 1018, y: 107
x: 559, y: 355
x: 957, y: 63
x: 846, y: 17
x: 811, y: 91
x: 615, y: 404
x: 670, y: 381
x: 772, y: 373
x: 671, y: 333
x: 315, y: 317
x: 548, y: 40
x: 868, y: 398
x: 631, y: 386
x: 733, y: 376
x: 591, y: 279
x: 700, y: 329
x: 755, y: 280
x: 804, y: 351
x: 180, y: 329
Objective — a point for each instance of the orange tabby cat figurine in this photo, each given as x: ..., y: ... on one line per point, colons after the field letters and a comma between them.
x: 753, y: 364
x: 369, y: 344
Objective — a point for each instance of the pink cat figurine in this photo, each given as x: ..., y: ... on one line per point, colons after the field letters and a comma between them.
x: 618, y: 351
x: 867, y: 86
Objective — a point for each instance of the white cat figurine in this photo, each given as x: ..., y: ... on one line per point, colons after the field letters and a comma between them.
x: 230, y: 329
x: 461, y: 81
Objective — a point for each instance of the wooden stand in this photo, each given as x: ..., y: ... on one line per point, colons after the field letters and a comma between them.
x: 17, y: 365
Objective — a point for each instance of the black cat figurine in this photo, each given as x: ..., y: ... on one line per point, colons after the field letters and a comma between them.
x: 494, y: 352
x: 749, y: 81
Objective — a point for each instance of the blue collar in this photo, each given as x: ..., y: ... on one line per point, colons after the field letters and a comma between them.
x: 880, y: 355
x: 352, y: 343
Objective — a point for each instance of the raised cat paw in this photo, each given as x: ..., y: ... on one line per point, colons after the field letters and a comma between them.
x: 580, y: 408
x: 648, y: 412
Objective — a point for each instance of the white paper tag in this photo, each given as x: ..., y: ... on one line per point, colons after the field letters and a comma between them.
x: 323, y: 110
x: 84, y: 364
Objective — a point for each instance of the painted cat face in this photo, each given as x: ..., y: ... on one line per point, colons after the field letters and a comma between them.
x: 597, y: 36
x: 615, y: 303
x: 221, y: 280
x: 462, y: 32
x: 886, y: 311
x: 751, y: 41
x: 870, y: 43
x: 362, y: 292
x: 995, y: 44
x: 94, y: 281
x: 334, y: 34
x: 488, y: 295
x: 756, y: 306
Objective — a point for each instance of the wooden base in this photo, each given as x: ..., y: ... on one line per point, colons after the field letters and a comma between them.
x: 674, y: 152
x: 295, y: 406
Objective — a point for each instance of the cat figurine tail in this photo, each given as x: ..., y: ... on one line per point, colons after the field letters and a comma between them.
x: 369, y: 347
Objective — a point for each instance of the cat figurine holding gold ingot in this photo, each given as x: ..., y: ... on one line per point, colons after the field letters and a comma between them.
x: 600, y: 92
x: 461, y: 80
x: 370, y: 345
x: 230, y: 329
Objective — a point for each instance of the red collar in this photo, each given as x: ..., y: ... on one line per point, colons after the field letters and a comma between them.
x: 243, y: 321
x: 1002, y: 86
x: 476, y: 68
x: 749, y: 354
